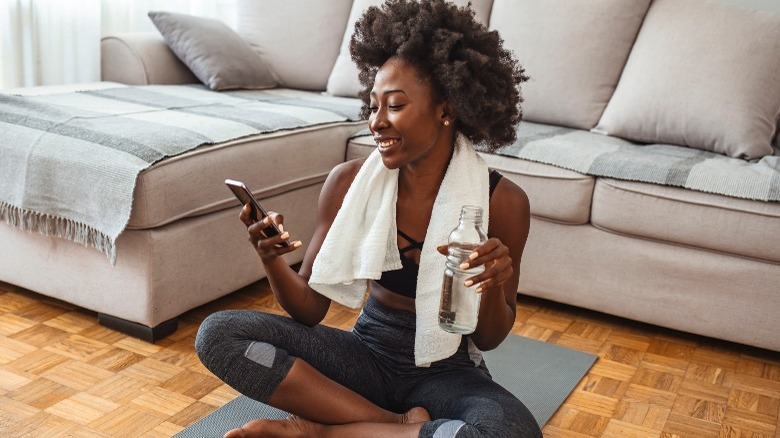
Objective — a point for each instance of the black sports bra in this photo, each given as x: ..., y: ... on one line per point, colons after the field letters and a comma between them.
x: 404, y: 281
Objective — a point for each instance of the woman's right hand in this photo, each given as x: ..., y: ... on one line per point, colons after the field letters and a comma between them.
x: 268, y: 248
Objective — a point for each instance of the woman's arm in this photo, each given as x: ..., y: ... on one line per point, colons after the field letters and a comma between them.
x: 510, y: 218
x: 291, y: 288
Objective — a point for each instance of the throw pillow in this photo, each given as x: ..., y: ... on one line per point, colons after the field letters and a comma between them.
x: 701, y: 74
x: 298, y: 38
x: 573, y: 51
x: 343, y: 80
x: 215, y: 53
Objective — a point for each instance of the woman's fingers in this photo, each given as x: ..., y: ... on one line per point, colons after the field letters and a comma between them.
x: 494, y: 256
x: 490, y: 250
x: 272, y: 244
x: 244, y: 215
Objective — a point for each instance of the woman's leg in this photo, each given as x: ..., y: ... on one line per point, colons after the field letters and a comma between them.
x: 466, y: 403
x: 320, y: 373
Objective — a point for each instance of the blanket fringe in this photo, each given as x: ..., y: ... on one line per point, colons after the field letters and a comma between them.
x: 55, y: 226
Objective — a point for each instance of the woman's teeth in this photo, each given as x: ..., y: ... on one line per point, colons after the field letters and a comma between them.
x: 386, y: 143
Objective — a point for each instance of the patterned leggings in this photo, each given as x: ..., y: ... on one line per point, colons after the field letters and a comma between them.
x: 253, y: 351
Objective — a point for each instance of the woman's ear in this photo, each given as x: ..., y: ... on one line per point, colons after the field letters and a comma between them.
x: 447, y: 114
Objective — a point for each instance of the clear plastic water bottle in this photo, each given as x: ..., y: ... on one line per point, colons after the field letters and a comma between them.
x: 459, y: 305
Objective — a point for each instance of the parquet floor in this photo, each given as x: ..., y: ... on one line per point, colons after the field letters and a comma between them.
x: 61, y: 374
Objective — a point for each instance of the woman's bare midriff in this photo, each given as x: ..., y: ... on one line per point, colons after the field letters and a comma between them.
x: 391, y: 299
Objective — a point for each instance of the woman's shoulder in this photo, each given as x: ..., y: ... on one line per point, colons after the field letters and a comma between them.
x: 342, y: 175
x: 337, y: 184
x: 508, y: 200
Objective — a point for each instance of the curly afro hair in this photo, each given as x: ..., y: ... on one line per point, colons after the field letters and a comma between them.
x: 460, y: 58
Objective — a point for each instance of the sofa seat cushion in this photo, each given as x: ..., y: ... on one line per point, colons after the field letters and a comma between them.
x: 192, y: 184
x: 555, y: 194
x: 673, y: 215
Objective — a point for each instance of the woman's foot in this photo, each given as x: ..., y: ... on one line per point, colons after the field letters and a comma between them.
x: 291, y: 426
x: 294, y: 426
x: 415, y: 415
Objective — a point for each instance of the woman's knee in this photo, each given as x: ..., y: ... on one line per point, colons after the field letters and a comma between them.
x: 483, y: 429
x: 213, y: 332
x: 495, y: 415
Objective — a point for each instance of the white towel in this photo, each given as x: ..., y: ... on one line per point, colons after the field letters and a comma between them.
x: 362, y: 242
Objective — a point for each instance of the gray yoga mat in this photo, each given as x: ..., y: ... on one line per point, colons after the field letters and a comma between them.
x: 541, y: 375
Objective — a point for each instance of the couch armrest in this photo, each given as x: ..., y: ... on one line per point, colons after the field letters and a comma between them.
x: 141, y: 59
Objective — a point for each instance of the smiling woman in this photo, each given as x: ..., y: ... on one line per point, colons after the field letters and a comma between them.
x: 436, y: 82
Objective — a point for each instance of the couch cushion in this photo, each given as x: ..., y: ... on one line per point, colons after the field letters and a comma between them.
x: 191, y: 184
x: 343, y: 80
x: 555, y: 194
x: 279, y: 29
x: 215, y: 53
x: 673, y: 215
x: 701, y: 74
x: 573, y: 51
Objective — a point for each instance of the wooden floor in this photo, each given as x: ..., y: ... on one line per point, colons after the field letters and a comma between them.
x: 61, y: 374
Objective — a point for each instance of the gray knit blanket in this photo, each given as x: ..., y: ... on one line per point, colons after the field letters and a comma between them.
x: 599, y: 155
x: 69, y: 161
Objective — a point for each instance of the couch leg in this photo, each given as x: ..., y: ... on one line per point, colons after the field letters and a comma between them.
x: 140, y: 331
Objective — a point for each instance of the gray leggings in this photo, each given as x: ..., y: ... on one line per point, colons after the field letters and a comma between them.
x: 253, y: 351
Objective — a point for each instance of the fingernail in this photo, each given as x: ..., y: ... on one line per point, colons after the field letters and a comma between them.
x: 464, y: 265
x: 473, y: 255
x: 468, y: 283
x: 281, y: 227
x: 297, y: 244
x: 479, y: 289
x: 285, y: 235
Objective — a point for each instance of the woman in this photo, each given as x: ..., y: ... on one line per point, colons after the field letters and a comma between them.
x: 435, y: 81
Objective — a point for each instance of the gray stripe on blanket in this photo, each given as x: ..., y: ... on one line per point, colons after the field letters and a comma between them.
x: 774, y: 183
x: 542, y: 134
x: 350, y: 111
x: 142, y: 96
x: 249, y: 117
x: 146, y: 140
x: 666, y: 165
x: 235, y: 113
x: 113, y: 141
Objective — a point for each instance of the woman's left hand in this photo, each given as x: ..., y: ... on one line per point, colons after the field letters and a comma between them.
x: 494, y: 255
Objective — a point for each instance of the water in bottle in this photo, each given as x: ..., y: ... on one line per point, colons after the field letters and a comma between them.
x: 459, y: 306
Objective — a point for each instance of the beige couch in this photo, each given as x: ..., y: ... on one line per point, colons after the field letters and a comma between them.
x: 665, y: 253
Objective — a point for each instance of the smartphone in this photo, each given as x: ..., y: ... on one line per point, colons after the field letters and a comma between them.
x: 257, y: 212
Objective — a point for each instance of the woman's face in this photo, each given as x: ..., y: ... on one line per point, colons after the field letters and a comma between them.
x: 406, y: 121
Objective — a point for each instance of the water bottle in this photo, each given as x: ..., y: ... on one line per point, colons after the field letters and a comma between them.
x: 459, y: 306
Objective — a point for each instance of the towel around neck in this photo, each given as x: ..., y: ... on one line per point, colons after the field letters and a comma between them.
x: 362, y: 243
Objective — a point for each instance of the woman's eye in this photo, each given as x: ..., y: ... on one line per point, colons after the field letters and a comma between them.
x: 373, y: 109
x: 395, y: 107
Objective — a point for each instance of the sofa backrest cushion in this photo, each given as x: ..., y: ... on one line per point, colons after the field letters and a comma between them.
x: 701, y: 74
x: 214, y: 52
x: 573, y: 51
x: 299, y: 39
x: 343, y: 80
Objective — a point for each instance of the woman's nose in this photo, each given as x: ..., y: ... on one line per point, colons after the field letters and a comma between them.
x: 378, y: 120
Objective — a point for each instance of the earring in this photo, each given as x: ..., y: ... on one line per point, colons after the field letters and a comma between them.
x: 446, y: 123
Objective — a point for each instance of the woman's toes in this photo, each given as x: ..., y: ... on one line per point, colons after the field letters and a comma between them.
x: 415, y: 415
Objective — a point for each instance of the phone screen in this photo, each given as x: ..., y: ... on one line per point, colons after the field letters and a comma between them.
x: 257, y: 212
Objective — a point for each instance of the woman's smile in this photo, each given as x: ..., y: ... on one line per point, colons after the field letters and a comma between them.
x: 386, y: 144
